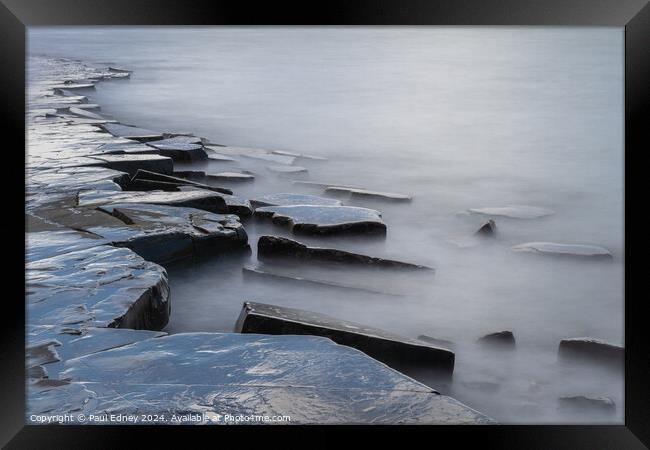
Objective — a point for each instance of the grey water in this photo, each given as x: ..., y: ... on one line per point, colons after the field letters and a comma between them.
x: 457, y: 117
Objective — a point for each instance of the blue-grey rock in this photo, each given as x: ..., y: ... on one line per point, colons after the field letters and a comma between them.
x: 289, y: 199
x: 573, y: 250
x: 355, y: 193
x: 130, y: 132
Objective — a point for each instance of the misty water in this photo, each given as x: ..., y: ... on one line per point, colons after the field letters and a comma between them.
x: 458, y: 118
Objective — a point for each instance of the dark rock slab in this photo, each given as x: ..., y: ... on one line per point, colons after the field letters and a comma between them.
x: 165, y: 234
x: 310, y: 379
x: 127, y: 146
x: 367, y: 194
x: 406, y: 355
x: 513, y: 211
x: 190, y: 174
x: 256, y: 153
x: 289, y: 199
x: 199, y: 199
x: 131, y: 163
x: 487, y: 229
x: 436, y: 341
x: 127, y: 131
x: 325, y: 219
x: 569, y: 250
x: 499, y: 340
x: 581, y: 404
x: 74, y: 86
x: 181, y: 148
x: 45, y: 244
x: 99, y: 286
x: 119, y: 70
x: 585, y: 349
x: 153, y: 176
x: 267, y: 273
x: 276, y: 246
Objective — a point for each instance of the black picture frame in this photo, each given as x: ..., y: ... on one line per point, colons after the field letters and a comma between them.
x: 16, y: 15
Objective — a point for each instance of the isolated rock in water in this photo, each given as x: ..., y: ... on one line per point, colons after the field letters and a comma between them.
x: 181, y: 148
x: 437, y: 342
x: 325, y: 219
x: 581, y: 403
x: 405, y: 355
x: 287, y: 199
x: 363, y: 193
x: 139, y: 134
x: 299, y: 155
x: 74, y: 86
x: 593, y: 350
x: 199, y: 199
x: 100, y: 286
x: 75, y: 342
x: 488, y: 229
x: 165, y: 234
x: 501, y: 339
x: 552, y: 248
x: 269, y: 274
x: 514, y: 211
x: 230, y: 176
x: 321, y: 184
x: 275, y: 246
x: 152, y: 176
x: 119, y: 70
x: 310, y: 379
x: 131, y: 163
x: 287, y: 169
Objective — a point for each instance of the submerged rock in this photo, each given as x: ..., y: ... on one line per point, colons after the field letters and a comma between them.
x: 585, y: 349
x: 487, y: 229
x: 310, y: 379
x: 514, y: 211
x: 500, y: 340
x: 99, y: 286
x: 230, y: 176
x: 552, y: 248
x: 287, y: 199
x: 364, y: 193
x: 408, y: 356
x: 130, y: 132
x: 325, y: 219
x: 287, y: 169
x: 131, y: 163
x: 257, y: 153
x: 181, y: 148
x: 581, y: 403
x: 87, y: 114
x: 269, y: 274
x: 275, y: 246
x: 298, y: 155
x: 153, y: 176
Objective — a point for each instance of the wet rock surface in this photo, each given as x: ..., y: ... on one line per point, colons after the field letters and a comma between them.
x: 174, y: 181
x: 367, y: 194
x: 288, y: 199
x: 586, y: 349
x: 287, y: 170
x: 436, y: 341
x: 180, y: 148
x: 581, y: 403
x: 247, y: 374
x: 130, y: 132
x: 325, y: 219
x: 276, y: 246
x: 487, y: 229
x: 230, y: 176
x: 408, y: 356
x: 574, y: 250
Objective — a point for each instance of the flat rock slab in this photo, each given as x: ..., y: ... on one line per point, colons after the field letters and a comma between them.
x: 138, y: 134
x: 199, y: 199
x: 276, y: 246
x: 131, y: 163
x: 67, y: 343
x: 181, y: 148
x: 230, y: 176
x: 270, y: 274
x: 165, y: 234
x: 553, y: 248
x: 436, y: 341
x: 403, y: 354
x: 514, y: 211
x: 310, y: 379
x: 581, y: 403
x: 325, y: 219
x: 287, y: 169
x: 45, y: 244
x: 298, y: 155
x: 586, y: 349
x: 288, y: 199
x: 257, y: 153
x: 82, y: 112
x: 366, y: 194
x: 153, y: 176
x: 99, y: 286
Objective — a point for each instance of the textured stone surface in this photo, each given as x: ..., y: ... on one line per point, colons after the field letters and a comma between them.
x: 276, y: 246
x: 310, y: 379
x: 325, y: 219
x: 138, y: 134
x: 406, y: 355
x: 181, y: 148
x: 288, y: 199
x: 552, y: 248
x: 153, y: 176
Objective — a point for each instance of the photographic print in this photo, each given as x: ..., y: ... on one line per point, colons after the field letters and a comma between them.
x: 324, y: 225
